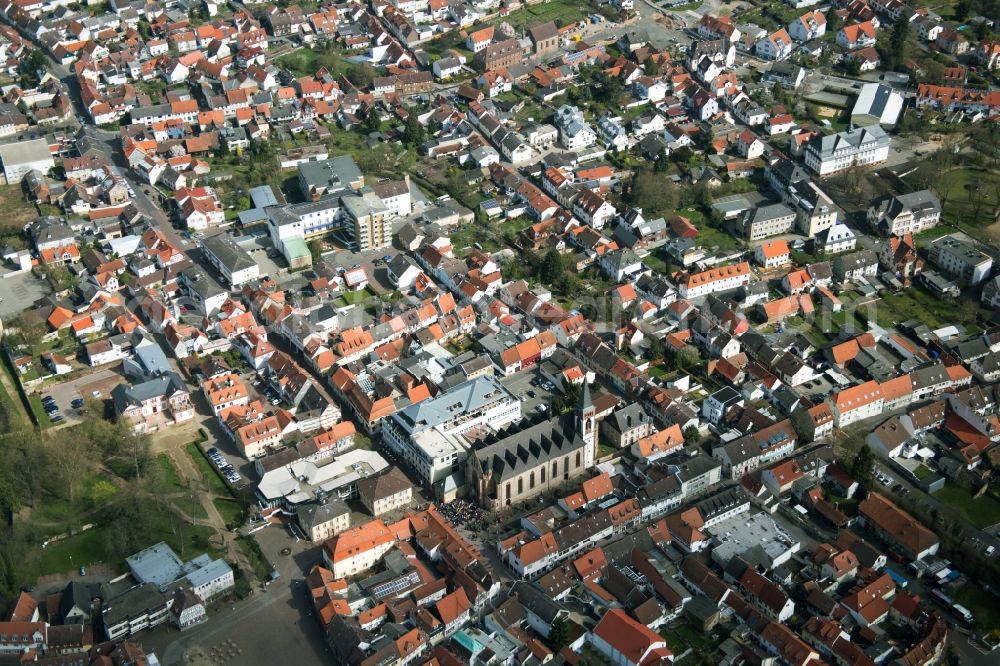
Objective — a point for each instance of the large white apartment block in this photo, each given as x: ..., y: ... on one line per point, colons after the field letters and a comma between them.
x: 961, y: 258
x: 843, y: 150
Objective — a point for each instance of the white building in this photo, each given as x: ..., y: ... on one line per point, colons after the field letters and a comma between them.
x: 232, y: 262
x: 909, y: 213
x: 722, y: 278
x: 430, y: 435
x: 574, y: 132
x: 826, y: 154
x: 20, y: 157
x: 856, y: 403
x: 838, y: 238
x: 961, y: 259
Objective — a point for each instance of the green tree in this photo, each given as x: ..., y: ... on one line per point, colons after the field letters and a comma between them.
x: 551, y: 267
x: 650, y: 68
x: 655, y: 348
x: 372, y: 121
x: 653, y: 192
x: 414, y: 134
x: 558, y: 634
x: 779, y: 94
x: 361, y: 74
x: 852, y: 66
x: 32, y: 68
x: 682, y: 155
x: 862, y: 465
x: 691, y: 436
x: 609, y: 90
x: 687, y: 357
x: 316, y: 250
x: 898, y: 44
x: 933, y: 72
x: 662, y: 163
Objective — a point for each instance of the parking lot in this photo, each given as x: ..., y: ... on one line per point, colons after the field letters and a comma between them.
x: 527, y: 386
x: 85, y: 387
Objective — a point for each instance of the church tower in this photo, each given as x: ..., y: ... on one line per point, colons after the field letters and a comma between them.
x: 586, y: 425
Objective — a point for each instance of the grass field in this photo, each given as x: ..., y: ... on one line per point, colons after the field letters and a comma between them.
x: 306, y: 61
x: 169, y: 477
x: 189, y: 506
x: 655, y: 262
x: 916, y: 303
x: 981, y: 512
x: 984, y: 605
x: 302, y: 62
x: 561, y: 11
x: 681, y: 637
x: 98, y: 545
x: 958, y: 190
x: 230, y: 510
x: 15, y: 211
x: 359, y: 296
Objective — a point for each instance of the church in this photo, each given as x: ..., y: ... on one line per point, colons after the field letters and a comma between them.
x: 524, y: 459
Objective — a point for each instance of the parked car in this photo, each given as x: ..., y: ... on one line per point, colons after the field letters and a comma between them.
x: 78, y: 402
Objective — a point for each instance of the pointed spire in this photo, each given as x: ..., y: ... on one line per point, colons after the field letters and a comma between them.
x: 585, y: 401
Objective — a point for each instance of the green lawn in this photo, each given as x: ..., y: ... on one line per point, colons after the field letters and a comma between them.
x: 921, y: 472
x: 984, y: 606
x: 80, y: 550
x: 355, y: 297
x: 957, y: 188
x: 208, y: 472
x: 683, y: 636
x: 847, y: 505
x: 231, y: 510
x: 189, y: 506
x: 170, y: 479
x: 566, y: 11
x: 99, y: 545
x: 946, y: 10
x: 709, y: 236
x: 981, y: 512
x: 302, y: 62
x: 605, y: 450
x: 655, y: 262
x: 917, y: 303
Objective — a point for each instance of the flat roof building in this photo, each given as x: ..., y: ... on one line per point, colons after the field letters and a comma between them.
x: 303, y: 480
x: 331, y: 176
x: 21, y: 157
x: 435, y: 435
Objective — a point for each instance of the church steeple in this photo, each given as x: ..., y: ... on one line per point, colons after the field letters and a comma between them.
x: 586, y: 404
x: 586, y: 424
